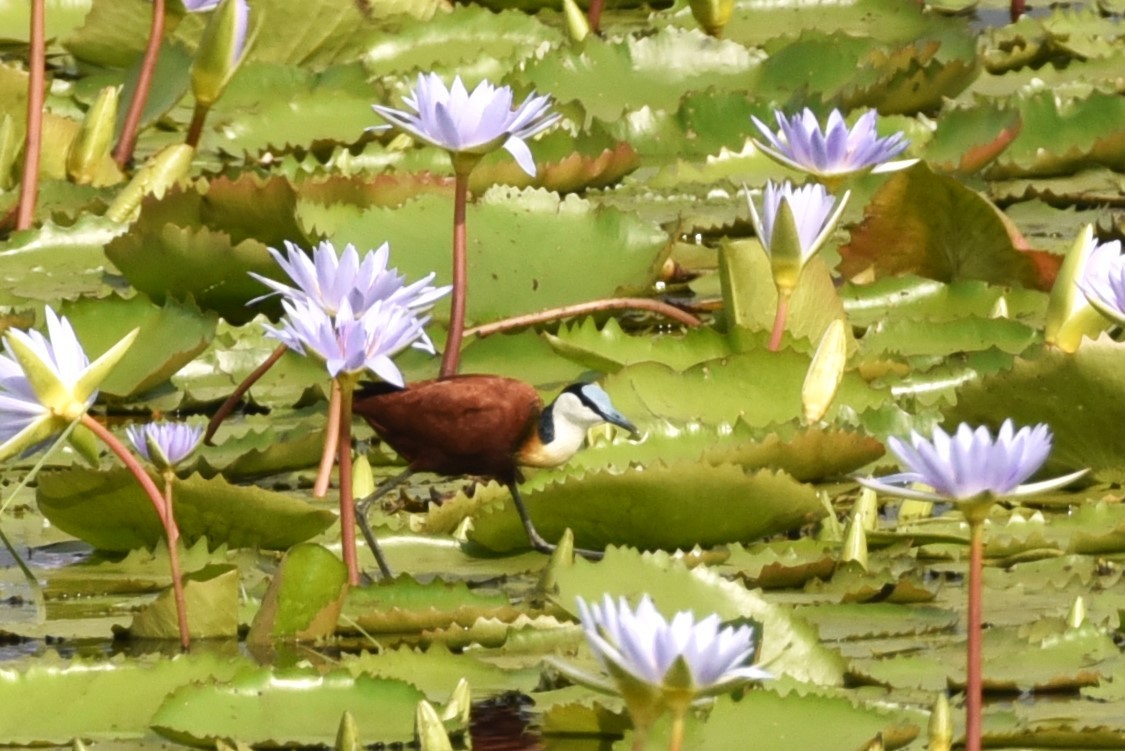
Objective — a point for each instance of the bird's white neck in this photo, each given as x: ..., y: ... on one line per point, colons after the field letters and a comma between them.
x: 561, y: 432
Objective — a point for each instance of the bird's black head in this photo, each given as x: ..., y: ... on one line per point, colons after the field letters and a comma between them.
x: 583, y: 405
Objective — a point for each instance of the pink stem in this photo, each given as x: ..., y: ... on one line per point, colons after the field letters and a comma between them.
x: 347, y: 501
x: 331, y: 440
x: 124, y: 151
x: 228, y: 406
x: 36, y: 78
x: 451, y: 357
x: 163, y: 510
x: 779, y: 320
x: 973, y: 689
x: 594, y: 15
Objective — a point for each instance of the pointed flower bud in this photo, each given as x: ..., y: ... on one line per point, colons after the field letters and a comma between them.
x: 470, y: 125
x: 793, y: 225
x: 712, y: 15
x: 834, y: 152
x: 48, y: 382
x: 90, y: 148
x: 1070, y: 315
x: 220, y: 50
x: 165, y: 444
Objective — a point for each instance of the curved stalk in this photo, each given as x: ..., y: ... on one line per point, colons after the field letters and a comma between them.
x: 123, y: 154
x: 236, y: 396
x: 585, y: 308
x: 163, y: 510
x: 195, y: 130
x: 36, y: 80
x: 331, y: 441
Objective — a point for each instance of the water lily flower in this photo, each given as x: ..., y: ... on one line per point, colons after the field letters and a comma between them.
x: 470, y: 125
x: 1103, y: 283
x: 793, y: 225
x: 328, y: 278
x: 349, y: 344
x: 835, y: 151
x: 165, y: 444
x: 970, y: 464
x: 48, y: 382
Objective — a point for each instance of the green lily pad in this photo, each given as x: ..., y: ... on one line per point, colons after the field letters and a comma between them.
x: 406, y: 605
x: 111, y: 512
x: 211, y: 600
x: 304, y: 598
x: 657, y: 507
x: 296, y: 707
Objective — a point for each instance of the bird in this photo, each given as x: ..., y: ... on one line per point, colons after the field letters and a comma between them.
x: 486, y: 426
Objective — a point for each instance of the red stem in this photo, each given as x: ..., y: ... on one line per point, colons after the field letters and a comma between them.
x: 163, y: 510
x: 228, y: 406
x: 123, y: 154
x: 331, y: 441
x: 195, y: 130
x: 36, y: 78
x: 451, y: 357
x: 779, y: 320
x: 594, y: 15
x: 347, y: 500
x: 973, y: 667
x: 1016, y: 9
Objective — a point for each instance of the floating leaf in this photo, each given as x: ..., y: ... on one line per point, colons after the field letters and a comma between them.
x: 304, y: 599
x: 211, y: 602
x: 111, y: 512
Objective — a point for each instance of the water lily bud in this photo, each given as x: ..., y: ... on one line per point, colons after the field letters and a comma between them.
x: 999, y: 308
x: 577, y: 25
x: 220, y: 51
x: 786, y: 259
x: 161, y: 172
x: 826, y: 371
x: 1070, y: 316
x: 867, y: 505
x: 1077, y: 615
x: 91, y: 146
x: 855, y: 542
x: 363, y: 479
x: 460, y: 704
x: 912, y: 509
x: 10, y: 145
x: 712, y: 15
x: 429, y: 729
x: 347, y: 735
x: 941, y: 725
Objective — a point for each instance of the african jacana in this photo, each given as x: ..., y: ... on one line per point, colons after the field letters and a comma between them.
x: 482, y: 425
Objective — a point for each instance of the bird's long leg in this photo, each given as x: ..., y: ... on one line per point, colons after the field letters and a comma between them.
x: 533, y: 536
x: 361, y: 507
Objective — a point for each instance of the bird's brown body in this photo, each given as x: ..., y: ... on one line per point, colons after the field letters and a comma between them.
x: 481, y: 425
x: 460, y: 425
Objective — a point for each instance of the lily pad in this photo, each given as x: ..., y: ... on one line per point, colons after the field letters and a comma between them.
x: 111, y: 512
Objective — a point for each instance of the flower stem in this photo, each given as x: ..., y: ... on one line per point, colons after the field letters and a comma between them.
x: 347, y: 501
x: 451, y: 357
x: 973, y: 666
x: 677, y: 741
x: 331, y: 441
x: 195, y: 130
x: 594, y: 15
x: 585, y: 308
x: 37, y: 73
x: 163, y: 510
x: 123, y: 154
x: 783, y: 297
x: 228, y: 406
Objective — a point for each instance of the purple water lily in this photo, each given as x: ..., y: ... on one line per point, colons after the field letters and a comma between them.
x: 472, y: 123
x: 834, y: 151
x: 970, y: 463
x: 812, y: 209
x: 350, y: 343
x: 1103, y: 284
x: 165, y: 444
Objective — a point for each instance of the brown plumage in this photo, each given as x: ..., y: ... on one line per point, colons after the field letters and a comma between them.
x: 482, y: 425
